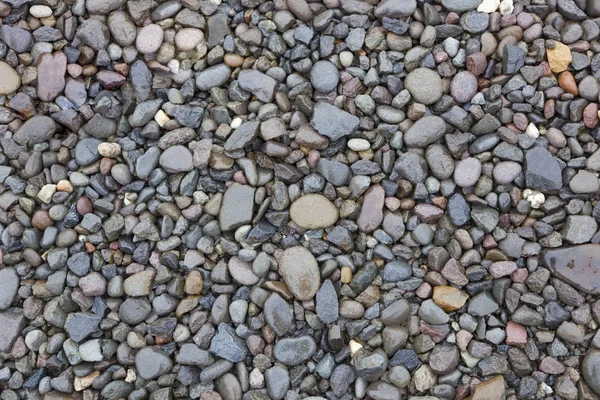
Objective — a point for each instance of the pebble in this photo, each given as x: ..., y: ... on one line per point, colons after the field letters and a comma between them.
x: 149, y: 39
x: 299, y: 199
x: 313, y: 211
x: 300, y: 272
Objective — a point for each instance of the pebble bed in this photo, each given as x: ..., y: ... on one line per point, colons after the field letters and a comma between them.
x: 299, y: 199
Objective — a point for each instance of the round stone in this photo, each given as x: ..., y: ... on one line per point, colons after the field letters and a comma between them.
x: 11, y: 81
x: 300, y: 272
x: 188, y: 38
x: 424, y: 85
x: 463, y: 87
x: 176, y: 159
x: 149, y: 39
x: 314, y: 211
x: 467, y: 172
x: 324, y: 76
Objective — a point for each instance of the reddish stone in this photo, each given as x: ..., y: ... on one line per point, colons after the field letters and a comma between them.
x: 371, y: 212
x: 455, y: 273
x: 567, y: 82
x: 51, y: 75
x: 428, y: 213
x: 590, y: 115
x: 551, y: 366
x: 476, y: 63
x: 463, y: 338
x: 437, y: 333
x: 516, y: 334
x: 84, y: 206
x: 424, y: 290
x: 110, y: 79
x: 519, y: 275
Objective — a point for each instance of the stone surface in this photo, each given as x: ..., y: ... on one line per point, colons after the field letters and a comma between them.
x: 576, y: 265
x: 313, y: 211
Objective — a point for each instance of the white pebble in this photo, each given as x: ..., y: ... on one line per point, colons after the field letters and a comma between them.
x: 161, y: 118
x: 488, y: 6
x: 506, y: 7
x: 359, y: 144
x: 532, y: 131
x: 346, y: 58
x: 40, y: 11
x: 237, y: 121
x: 534, y: 198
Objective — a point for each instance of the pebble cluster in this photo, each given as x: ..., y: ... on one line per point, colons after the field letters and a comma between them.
x: 289, y: 199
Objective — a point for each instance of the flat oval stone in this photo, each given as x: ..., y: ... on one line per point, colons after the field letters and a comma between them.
x: 314, y: 211
x: 424, y: 85
x: 300, y: 272
x: 294, y: 351
x: 241, y: 271
x: 467, y: 172
x: 149, y: 39
x: 425, y: 131
x: 176, y: 159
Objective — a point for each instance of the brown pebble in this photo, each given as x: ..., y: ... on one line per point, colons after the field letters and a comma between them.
x: 41, y: 220
x: 84, y: 206
x: 567, y: 82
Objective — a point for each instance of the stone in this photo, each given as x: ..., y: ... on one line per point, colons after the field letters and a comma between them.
x: 425, y: 131
x: 9, y: 285
x: 579, y: 229
x: 236, y: 207
x: 590, y: 370
x: 12, y: 323
x: 492, y: 389
x: 327, y: 307
x: 37, y: 129
x: 139, y: 284
x: 467, y: 172
x: 559, y: 56
x: 51, y: 75
x: 542, y: 171
x: 11, y: 80
x: 424, y: 85
x: 300, y: 272
x: 332, y: 122
x: 214, y: 76
x: 149, y: 39
x: 463, y: 86
x: 278, y: 314
x: 324, y: 76
x: 371, y: 212
x: 176, y: 159
x: 449, y: 298
x: 152, y: 362
x: 226, y: 344
x: 313, y: 211
x: 259, y: 84
x: 294, y: 351
x: 577, y: 265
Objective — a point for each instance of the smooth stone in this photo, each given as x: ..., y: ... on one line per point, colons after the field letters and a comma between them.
x: 278, y: 314
x: 11, y: 80
x: 152, y: 362
x: 590, y: 370
x: 294, y: 351
x: 313, y: 211
x: 327, y: 305
x: 424, y: 85
x: 425, y: 131
x: 214, y: 76
x: 467, y: 172
x: 237, y: 207
x: 149, y: 39
x: 542, y: 171
x: 259, y: 84
x: 9, y: 285
x: 577, y: 265
x: 324, y: 76
x: 300, y: 272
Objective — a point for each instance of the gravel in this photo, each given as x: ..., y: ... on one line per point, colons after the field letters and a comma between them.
x: 299, y: 199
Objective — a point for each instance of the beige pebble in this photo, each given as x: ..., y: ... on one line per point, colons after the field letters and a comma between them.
x: 109, y: 150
